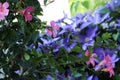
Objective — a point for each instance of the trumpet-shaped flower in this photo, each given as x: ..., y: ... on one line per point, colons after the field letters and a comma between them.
x: 52, y: 31
x: 110, y: 70
x: 91, y: 58
x: 3, y: 10
x: 27, y: 13
x: 107, y: 65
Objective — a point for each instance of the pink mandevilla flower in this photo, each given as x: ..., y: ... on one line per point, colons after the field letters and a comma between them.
x: 91, y: 58
x: 27, y: 13
x: 108, y: 63
x: 52, y: 31
x: 110, y: 70
x: 3, y: 10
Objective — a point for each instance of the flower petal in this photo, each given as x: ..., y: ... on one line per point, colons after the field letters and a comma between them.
x: 6, y: 5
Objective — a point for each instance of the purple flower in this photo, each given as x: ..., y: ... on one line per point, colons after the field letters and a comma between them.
x: 113, y: 4
x: 88, y: 38
x: 92, y: 77
x: 79, y: 18
x: 49, y: 77
x: 68, y: 44
x: 97, y: 18
x: 118, y: 24
x: 101, y: 53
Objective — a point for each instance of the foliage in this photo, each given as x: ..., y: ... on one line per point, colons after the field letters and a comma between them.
x: 84, y: 48
x: 82, y: 6
x: 16, y: 33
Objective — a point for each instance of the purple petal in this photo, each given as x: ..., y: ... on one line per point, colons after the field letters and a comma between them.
x: 90, y: 78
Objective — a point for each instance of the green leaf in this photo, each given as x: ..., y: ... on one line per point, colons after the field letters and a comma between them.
x: 85, y: 4
x: 45, y: 2
x: 76, y: 49
x: 37, y: 54
x: 26, y: 56
x: 76, y: 5
x: 35, y: 36
x: 76, y: 74
x: 106, y: 35
x: 103, y: 11
x: 115, y: 36
x: 84, y: 58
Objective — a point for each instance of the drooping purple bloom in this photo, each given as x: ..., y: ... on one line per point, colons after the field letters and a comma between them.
x: 88, y: 38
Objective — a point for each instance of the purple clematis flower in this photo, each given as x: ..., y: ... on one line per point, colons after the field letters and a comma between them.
x: 92, y: 77
x: 97, y: 18
x: 118, y: 24
x: 67, y: 44
x: 49, y: 77
x: 113, y: 4
x: 88, y: 38
x: 79, y: 18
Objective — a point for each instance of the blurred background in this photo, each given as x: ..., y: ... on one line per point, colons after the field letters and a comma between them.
x: 55, y: 9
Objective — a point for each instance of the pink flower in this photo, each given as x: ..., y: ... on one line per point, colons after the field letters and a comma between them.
x: 26, y: 12
x: 52, y: 31
x: 107, y: 61
x: 107, y: 65
x: 91, y: 58
x: 3, y: 10
x: 110, y: 70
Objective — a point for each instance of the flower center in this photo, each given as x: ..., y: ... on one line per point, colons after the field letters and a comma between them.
x: 87, y: 39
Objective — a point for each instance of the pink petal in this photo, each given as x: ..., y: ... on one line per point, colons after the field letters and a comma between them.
x: 92, y: 62
x: 0, y: 5
x: 87, y: 53
x: 56, y: 27
x: 2, y: 16
x: 94, y: 55
x: 87, y: 62
x: 6, y: 4
x: 23, y: 12
x: 110, y: 70
x: 6, y: 12
x: 52, y: 23
x: 29, y: 9
x: 49, y: 33
x: 54, y: 34
x: 28, y: 17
